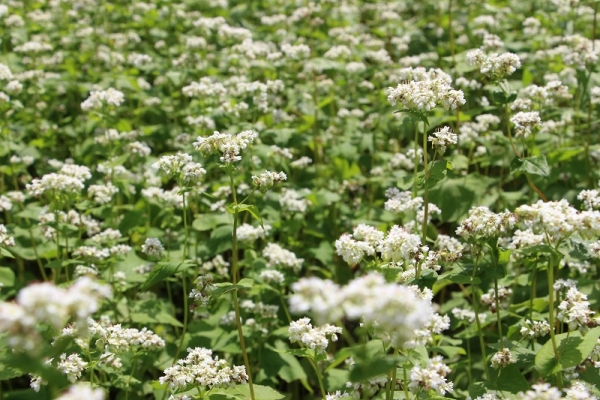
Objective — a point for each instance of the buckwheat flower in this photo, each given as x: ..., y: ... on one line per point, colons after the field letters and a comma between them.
x: 72, y: 366
x: 82, y: 391
x: 489, y: 298
x: 315, y: 338
x: 590, y: 198
x: 192, y: 172
x: 102, y: 194
x: 153, y: 248
x: 555, y: 219
x: 80, y: 172
x: 442, y: 138
x: 535, y: 329
x: 400, y: 202
x: 249, y: 233
x: 229, y: 146
x: 337, y: 396
x: 267, y: 179
x: 199, y: 368
x: 272, y: 276
x: 302, y: 162
x: 352, y: 251
x: 436, y: 325
x: 5, y: 73
x: 462, y: 314
x: 425, y: 95
x: 595, y: 95
x: 140, y: 149
x: 399, y: 245
x: 579, y: 390
x: 203, y: 290
x: 5, y: 239
x: 432, y: 377
x: 91, y: 253
x: 290, y: 200
x: 138, y: 60
x: 482, y: 223
x: 502, y: 358
x: 541, y: 391
x: 494, y: 66
x: 54, y: 183
x: 575, y: 311
x: 172, y: 164
x: 525, y: 121
x: 100, y: 98
x: 277, y: 256
x: 107, y: 236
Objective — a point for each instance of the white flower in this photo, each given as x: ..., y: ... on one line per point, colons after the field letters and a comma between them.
x: 525, y: 121
x: 267, y: 179
x: 277, y: 256
x: 313, y: 337
x: 502, y: 358
x: 432, y: 377
x: 100, y: 98
x: 229, y: 146
x: 442, y: 138
x: 153, y: 247
x: 72, y: 366
x: 494, y: 66
x: 82, y: 391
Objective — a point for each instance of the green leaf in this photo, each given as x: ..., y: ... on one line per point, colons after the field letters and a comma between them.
x: 161, y: 272
x: 260, y: 392
x: 7, y: 277
x: 253, y: 210
x: 537, y: 165
x: 572, y: 347
x: 510, y: 379
x: 363, y: 371
x: 6, y: 253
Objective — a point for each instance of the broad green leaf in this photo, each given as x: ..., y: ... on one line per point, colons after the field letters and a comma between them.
x: 510, y: 379
x: 537, y: 165
x: 7, y: 277
x: 572, y: 347
x: 160, y: 272
x: 260, y: 392
x: 363, y: 371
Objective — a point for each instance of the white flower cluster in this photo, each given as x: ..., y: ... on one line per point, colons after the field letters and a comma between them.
x: 558, y: 220
x: 442, y: 138
x: 525, y: 121
x: 436, y: 325
x: 267, y: 179
x: 229, y: 146
x: 277, y: 256
x: 400, y: 202
x: 153, y: 248
x: 494, y: 66
x: 291, y: 200
x: 5, y: 239
x: 203, y: 290
x: 200, y: 369
x: 575, y: 311
x: 590, y: 199
x: 363, y: 240
x: 432, y: 377
x: 82, y: 391
x: 55, y: 184
x: 44, y: 303
x: 482, y: 223
x: 100, y: 98
x: 541, y: 391
x: 489, y: 298
x: 463, y: 314
x: 580, y: 390
x: 72, y: 366
x: 249, y: 233
x: 314, y: 338
x: 102, y: 194
x: 394, y: 309
x: 502, y: 358
x: 535, y: 329
x: 337, y: 396
x: 426, y: 92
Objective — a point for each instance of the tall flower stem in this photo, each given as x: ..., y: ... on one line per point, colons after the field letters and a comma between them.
x: 551, y: 306
x: 478, y: 322
x: 185, y: 318
x: 426, y: 194
x: 234, y: 276
x: 185, y: 228
x: 498, y: 314
x: 319, y: 378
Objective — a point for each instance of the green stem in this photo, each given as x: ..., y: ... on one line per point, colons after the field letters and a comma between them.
x: 185, y: 318
x: 479, y: 331
x: 498, y: 314
x: 551, y: 305
x: 236, y: 305
x: 426, y: 195
x: 405, y: 383
x: 316, y: 368
x: 130, y: 376
x: 185, y: 228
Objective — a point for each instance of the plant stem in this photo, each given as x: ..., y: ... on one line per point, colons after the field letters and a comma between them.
x: 426, y: 195
x: 498, y: 314
x: 185, y: 318
x: 185, y: 228
x: 236, y: 305
x: 316, y: 368
x: 551, y: 305
x: 405, y: 383
x: 479, y: 332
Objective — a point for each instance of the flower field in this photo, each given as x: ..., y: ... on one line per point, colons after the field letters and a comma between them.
x: 265, y: 200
